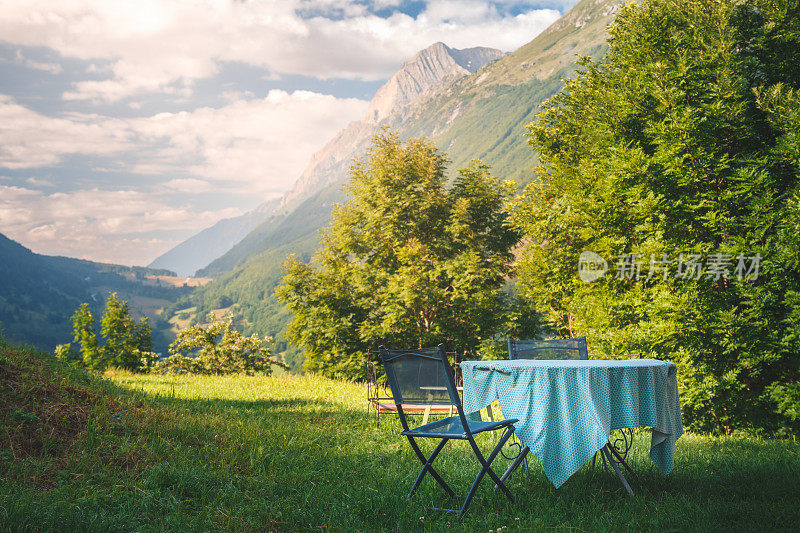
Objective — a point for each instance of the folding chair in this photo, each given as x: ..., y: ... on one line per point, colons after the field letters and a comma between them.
x: 424, y: 376
x: 552, y: 349
x: 379, y: 395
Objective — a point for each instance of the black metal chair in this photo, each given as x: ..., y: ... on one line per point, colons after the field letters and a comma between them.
x: 552, y: 349
x: 379, y: 396
x: 424, y: 376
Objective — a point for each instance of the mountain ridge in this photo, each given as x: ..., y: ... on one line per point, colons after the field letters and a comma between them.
x: 330, y: 163
x: 429, y: 67
x: 39, y: 293
x: 435, y: 65
x: 438, y: 63
x: 200, y: 249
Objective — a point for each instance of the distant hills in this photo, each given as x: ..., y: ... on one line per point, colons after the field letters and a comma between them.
x: 199, y: 250
x: 39, y: 293
x: 472, y: 103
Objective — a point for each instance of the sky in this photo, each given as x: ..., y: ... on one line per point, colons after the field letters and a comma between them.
x: 126, y: 126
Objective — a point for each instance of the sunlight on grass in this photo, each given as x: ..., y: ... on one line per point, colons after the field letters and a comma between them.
x: 332, y: 463
x: 244, y: 388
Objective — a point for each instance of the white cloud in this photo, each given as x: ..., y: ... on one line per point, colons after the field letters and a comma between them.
x: 332, y: 8
x: 380, y: 4
x: 38, y: 182
x: 166, y: 46
x: 20, y: 59
x: 188, y: 185
x: 110, y: 226
x: 258, y: 145
x: 29, y: 139
x: 233, y: 96
x: 250, y: 146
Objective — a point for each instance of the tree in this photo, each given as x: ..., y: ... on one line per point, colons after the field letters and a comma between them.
x: 126, y: 340
x: 682, y: 140
x: 217, y: 348
x: 406, y: 262
x: 84, y: 334
x: 223, y: 301
x: 128, y: 343
x: 68, y: 354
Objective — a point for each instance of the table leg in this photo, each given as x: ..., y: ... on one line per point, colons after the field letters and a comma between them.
x: 514, y: 465
x: 606, y: 451
x: 621, y: 459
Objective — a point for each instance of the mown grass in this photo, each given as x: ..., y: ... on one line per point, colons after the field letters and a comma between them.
x: 292, y: 453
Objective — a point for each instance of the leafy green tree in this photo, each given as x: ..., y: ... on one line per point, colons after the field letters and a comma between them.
x: 406, y: 262
x: 68, y: 354
x: 84, y: 334
x: 683, y: 139
x: 128, y: 343
x: 217, y: 348
x: 126, y: 339
x: 223, y: 302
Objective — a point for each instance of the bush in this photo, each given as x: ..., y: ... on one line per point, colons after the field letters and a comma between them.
x: 217, y: 348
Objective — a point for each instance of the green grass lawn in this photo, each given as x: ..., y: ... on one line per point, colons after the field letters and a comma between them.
x: 287, y: 453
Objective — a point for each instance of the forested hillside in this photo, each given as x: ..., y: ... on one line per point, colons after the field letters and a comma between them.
x: 39, y: 293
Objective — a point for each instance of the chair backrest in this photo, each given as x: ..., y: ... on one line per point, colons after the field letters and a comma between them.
x: 552, y: 349
x: 419, y: 376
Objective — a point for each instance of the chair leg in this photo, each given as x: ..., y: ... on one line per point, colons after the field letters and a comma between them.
x: 509, y: 433
x: 487, y: 469
x: 428, y: 466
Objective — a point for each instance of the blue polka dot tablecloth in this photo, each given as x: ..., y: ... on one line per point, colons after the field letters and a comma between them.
x: 566, y: 409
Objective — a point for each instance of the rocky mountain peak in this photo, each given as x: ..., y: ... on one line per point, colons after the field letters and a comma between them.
x: 435, y: 65
x: 427, y: 68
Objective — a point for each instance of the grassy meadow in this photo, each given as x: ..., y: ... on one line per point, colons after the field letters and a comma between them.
x: 289, y: 453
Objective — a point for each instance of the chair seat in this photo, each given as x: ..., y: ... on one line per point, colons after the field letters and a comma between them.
x: 451, y: 428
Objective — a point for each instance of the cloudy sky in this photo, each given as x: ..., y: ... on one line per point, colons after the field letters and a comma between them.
x: 128, y: 126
